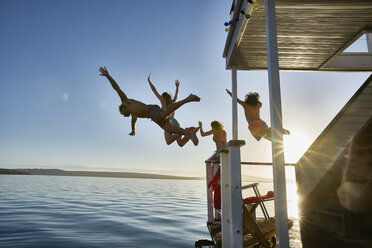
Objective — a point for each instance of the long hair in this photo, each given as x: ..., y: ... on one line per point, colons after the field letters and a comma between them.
x: 217, y: 125
x: 252, y: 98
x: 168, y: 98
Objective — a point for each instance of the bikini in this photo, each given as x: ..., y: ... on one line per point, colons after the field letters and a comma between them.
x: 173, y: 121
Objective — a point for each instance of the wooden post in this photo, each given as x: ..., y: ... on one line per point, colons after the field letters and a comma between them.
x: 281, y: 218
x: 225, y: 200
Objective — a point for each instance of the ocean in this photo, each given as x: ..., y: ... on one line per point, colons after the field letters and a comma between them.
x: 62, y: 211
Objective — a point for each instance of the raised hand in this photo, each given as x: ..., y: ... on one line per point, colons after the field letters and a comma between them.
x: 132, y: 133
x: 200, y: 124
x: 228, y: 92
x: 177, y: 82
x: 103, y: 71
x: 149, y: 78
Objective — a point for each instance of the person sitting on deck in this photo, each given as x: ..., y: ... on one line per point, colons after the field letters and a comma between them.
x: 256, y: 126
x: 219, y: 135
x: 165, y: 101
x: 160, y: 116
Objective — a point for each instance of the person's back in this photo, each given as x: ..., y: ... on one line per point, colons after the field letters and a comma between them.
x: 219, y: 134
x: 251, y: 112
x: 252, y: 106
x: 219, y: 137
x: 256, y: 126
x: 137, y: 108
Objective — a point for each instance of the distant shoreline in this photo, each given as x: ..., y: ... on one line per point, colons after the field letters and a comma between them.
x: 59, y: 172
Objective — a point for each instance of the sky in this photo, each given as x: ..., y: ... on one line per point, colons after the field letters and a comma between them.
x: 57, y: 112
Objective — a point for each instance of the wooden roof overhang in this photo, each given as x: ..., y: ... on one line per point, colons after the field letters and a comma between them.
x: 311, y: 35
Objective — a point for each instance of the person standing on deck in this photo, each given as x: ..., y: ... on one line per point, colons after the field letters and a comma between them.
x: 165, y: 101
x: 256, y: 126
x: 219, y: 137
x: 219, y: 134
x: 137, y: 109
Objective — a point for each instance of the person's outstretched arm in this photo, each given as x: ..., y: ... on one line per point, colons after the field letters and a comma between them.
x: 133, y: 122
x: 114, y: 85
x: 154, y: 90
x: 239, y: 101
x: 202, y: 133
x: 177, y: 83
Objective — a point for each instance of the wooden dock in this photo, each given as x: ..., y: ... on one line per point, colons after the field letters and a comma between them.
x: 267, y: 227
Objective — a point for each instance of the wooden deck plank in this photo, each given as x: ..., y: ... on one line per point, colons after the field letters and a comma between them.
x: 267, y: 227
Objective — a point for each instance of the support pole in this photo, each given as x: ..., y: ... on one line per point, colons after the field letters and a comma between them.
x: 234, y: 103
x: 281, y: 218
x: 236, y: 212
x: 225, y: 200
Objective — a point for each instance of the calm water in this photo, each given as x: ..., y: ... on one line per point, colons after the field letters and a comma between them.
x: 53, y: 211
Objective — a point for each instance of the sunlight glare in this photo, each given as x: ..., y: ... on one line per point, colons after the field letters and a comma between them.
x: 295, y: 145
x: 292, y: 199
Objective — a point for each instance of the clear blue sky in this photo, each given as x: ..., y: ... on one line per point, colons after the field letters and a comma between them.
x: 57, y: 112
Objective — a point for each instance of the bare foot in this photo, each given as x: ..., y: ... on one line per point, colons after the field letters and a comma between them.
x: 194, y: 98
x: 193, y: 138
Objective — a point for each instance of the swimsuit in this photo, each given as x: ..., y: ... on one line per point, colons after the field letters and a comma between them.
x: 173, y: 121
x: 155, y: 114
x: 257, y: 126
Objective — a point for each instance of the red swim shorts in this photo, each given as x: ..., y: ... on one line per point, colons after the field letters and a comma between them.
x: 257, y: 126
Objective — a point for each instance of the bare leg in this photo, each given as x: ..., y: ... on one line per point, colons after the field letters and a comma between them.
x: 177, y: 130
x: 173, y: 107
x: 267, y: 134
x: 171, y: 137
x: 182, y: 141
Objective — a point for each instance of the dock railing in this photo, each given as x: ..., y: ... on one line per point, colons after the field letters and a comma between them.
x: 227, y: 159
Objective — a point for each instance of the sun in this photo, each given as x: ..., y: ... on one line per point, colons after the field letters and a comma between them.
x: 295, y: 145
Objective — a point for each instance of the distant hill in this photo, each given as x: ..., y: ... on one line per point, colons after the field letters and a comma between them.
x: 58, y: 172
x: 12, y: 172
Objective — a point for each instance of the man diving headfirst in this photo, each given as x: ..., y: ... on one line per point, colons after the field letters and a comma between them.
x: 137, y: 109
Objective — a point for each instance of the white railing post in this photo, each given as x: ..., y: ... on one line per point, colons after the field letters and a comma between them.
x: 225, y: 200
x: 236, y: 214
x: 281, y: 216
x: 234, y: 86
x: 209, y: 176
